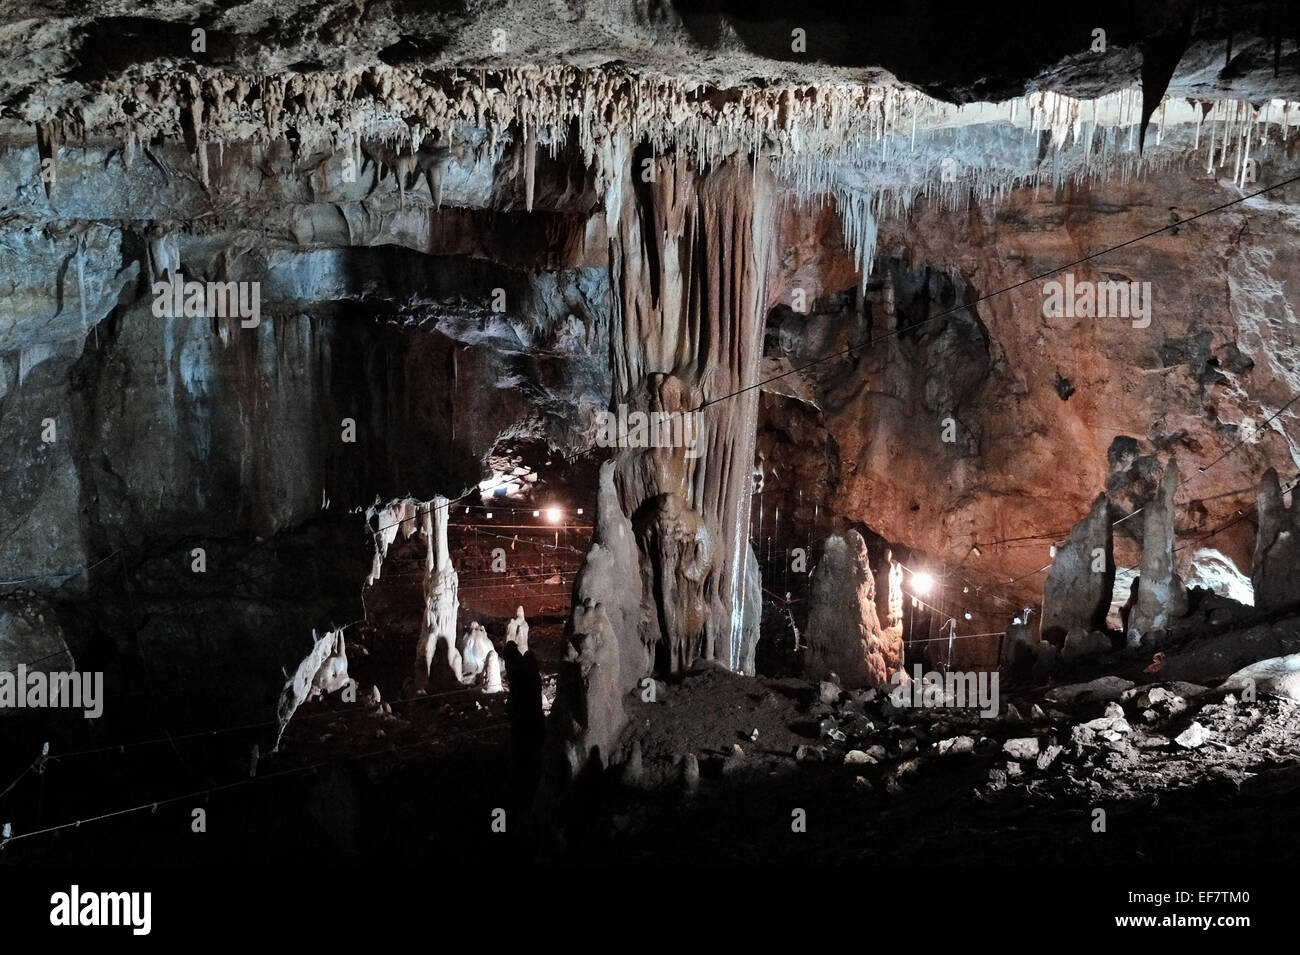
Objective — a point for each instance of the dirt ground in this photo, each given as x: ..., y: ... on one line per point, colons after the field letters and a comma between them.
x: 788, y: 771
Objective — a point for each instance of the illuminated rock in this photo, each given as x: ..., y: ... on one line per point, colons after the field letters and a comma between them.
x: 844, y: 635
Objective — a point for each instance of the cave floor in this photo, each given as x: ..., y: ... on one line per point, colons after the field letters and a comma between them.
x: 420, y: 778
x: 775, y: 787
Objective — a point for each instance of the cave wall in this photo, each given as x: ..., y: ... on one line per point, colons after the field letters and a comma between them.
x: 177, y: 433
x: 1048, y: 411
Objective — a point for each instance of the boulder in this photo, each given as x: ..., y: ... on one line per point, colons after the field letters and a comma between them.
x: 1193, y: 737
x: 1278, y: 676
x: 1026, y: 747
x: 958, y: 744
x: 1102, y: 689
x: 1081, y: 643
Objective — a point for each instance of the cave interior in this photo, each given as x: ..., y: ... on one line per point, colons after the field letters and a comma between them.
x: 606, y: 432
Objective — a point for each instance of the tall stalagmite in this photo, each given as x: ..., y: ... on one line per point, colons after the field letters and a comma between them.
x: 1082, y: 577
x: 1161, y: 596
x: 845, y: 636
x: 1277, y: 547
x: 605, y: 656
x: 436, y: 657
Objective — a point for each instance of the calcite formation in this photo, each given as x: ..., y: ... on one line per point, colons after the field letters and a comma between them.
x: 437, y: 659
x: 386, y: 522
x: 1275, y: 570
x: 593, y: 707
x: 492, y: 673
x: 517, y: 630
x: 1161, y: 596
x: 323, y: 670
x: 689, y: 252
x: 589, y: 713
x: 475, y: 647
x: 844, y: 635
x: 1020, y: 650
x: 1079, y: 586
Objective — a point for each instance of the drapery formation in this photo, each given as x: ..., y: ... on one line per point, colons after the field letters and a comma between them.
x: 688, y: 253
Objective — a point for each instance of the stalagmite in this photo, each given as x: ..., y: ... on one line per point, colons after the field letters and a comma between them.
x: 441, y: 601
x: 844, y: 636
x: 1277, y: 547
x: 1276, y: 676
x: 1019, y: 651
x: 517, y: 630
x: 474, y: 650
x: 1161, y: 597
x: 492, y: 673
x: 889, y: 597
x: 591, y: 672
x: 1078, y: 589
x: 588, y: 712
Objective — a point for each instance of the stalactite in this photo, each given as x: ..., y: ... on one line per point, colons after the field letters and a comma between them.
x: 530, y: 165
x: 47, y: 151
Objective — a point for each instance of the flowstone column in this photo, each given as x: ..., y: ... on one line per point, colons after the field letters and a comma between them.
x: 436, y: 659
x: 688, y: 254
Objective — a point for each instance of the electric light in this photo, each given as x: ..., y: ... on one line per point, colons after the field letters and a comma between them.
x: 554, y: 515
x: 922, y: 582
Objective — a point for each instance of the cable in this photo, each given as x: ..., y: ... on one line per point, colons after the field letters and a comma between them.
x: 21, y: 776
x: 1243, y: 440
x: 958, y: 636
x: 77, y: 823
x: 70, y: 573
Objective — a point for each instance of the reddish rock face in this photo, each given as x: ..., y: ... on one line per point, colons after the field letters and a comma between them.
x: 1045, y: 411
